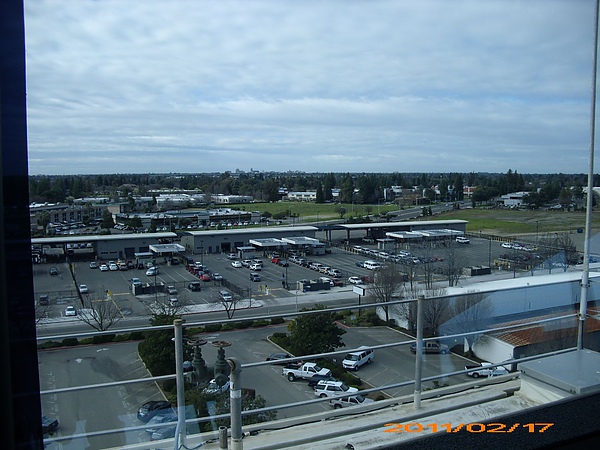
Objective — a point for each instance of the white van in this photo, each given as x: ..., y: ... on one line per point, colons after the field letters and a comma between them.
x: 354, y: 360
x: 372, y: 265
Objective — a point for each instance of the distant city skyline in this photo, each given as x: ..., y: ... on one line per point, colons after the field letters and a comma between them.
x: 148, y: 86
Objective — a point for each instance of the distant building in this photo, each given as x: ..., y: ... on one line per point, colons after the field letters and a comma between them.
x: 225, y: 199
x: 306, y: 196
x: 514, y: 199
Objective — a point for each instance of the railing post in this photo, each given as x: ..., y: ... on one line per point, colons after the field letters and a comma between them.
x: 235, y: 403
x: 419, y: 352
x: 180, y: 435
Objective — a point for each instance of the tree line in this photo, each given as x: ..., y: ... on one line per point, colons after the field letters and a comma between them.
x: 359, y: 188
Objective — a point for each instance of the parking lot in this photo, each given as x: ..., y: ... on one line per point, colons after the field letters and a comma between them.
x: 276, y: 281
x: 114, y: 362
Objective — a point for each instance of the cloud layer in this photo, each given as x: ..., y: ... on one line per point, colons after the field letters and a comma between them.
x: 335, y: 86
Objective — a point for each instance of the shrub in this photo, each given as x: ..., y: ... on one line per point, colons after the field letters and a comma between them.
x: 85, y: 341
x: 70, y: 342
x: 122, y: 337
x: 277, y: 320
x: 212, y: 327
x: 260, y: 323
x: 243, y: 324
x: 136, y: 335
x: 194, y: 331
x: 49, y: 344
x: 227, y: 327
x: 169, y: 385
x: 103, y: 339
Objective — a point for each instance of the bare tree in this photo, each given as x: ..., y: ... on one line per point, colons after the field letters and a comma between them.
x: 470, y: 312
x: 454, y: 262
x: 435, y: 310
x: 386, y: 285
x: 229, y: 304
x: 100, y: 314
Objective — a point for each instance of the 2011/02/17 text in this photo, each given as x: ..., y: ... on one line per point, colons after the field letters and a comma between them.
x: 475, y: 427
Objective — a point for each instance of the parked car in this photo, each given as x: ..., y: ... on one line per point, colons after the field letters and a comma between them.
x: 70, y: 311
x: 333, y: 388
x: 431, y: 347
x: 314, y: 380
x: 135, y: 281
x: 353, y: 400
x: 485, y: 369
x: 103, y: 268
x: 236, y: 264
x: 464, y: 240
x: 152, y: 271
x: 171, y: 290
x: 44, y: 300
x: 353, y: 360
x: 231, y: 256
x: 83, y: 289
x: 217, y: 276
x: 254, y: 276
x: 256, y: 267
x: 205, y: 277
x: 279, y: 357
x: 93, y: 265
x: 225, y: 296
x: 53, y: 271
x: 174, y: 301
x: 194, y: 286
x: 354, y: 280
x: 283, y: 263
x: 153, y: 407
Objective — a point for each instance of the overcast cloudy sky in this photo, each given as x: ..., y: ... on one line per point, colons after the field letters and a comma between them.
x: 123, y: 86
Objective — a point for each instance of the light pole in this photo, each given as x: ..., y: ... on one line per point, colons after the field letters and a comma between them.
x: 202, y: 253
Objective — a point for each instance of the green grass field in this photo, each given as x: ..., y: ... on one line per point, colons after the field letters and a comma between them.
x: 498, y: 221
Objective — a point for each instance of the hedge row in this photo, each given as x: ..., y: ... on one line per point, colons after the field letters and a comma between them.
x: 139, y: 335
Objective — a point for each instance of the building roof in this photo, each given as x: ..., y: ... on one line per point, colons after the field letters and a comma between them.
x: 543, y: 332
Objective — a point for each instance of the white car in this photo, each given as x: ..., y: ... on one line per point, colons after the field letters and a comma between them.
x: 70, y: 311
x: 236, y: 264
x: 83, y: 289
x: 333, y: 388
x: 353, y: 400
x: 113, y: 267
x: 152, y: 271
x: 354, y: 280
x: 507, y: 245
x: 103, y: 268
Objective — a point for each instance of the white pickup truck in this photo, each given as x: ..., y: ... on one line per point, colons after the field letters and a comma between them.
x: 485, y: 369
x: 305, y: 371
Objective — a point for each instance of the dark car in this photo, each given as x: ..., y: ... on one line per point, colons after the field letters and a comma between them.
x: 53, y: 271
x: 195, y: 286
x: 150, y: 409
x: 314, y: 380
x: 49, y: 424
x: 283, y: 263
x: 44, y: 300
x: 280, y: 357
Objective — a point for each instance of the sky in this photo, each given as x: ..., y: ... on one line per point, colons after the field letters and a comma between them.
x: 195, y: 86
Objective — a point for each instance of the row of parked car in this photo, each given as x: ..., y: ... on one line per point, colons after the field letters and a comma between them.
x: 321, y: 379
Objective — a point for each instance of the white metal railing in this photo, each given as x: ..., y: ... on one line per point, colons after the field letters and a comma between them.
x: 179, y: 376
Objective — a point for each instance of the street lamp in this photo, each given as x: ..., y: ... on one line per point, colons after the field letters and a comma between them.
x: 202, y: 253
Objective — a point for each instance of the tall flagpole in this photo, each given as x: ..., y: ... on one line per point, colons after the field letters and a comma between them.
x: 585, y: 279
